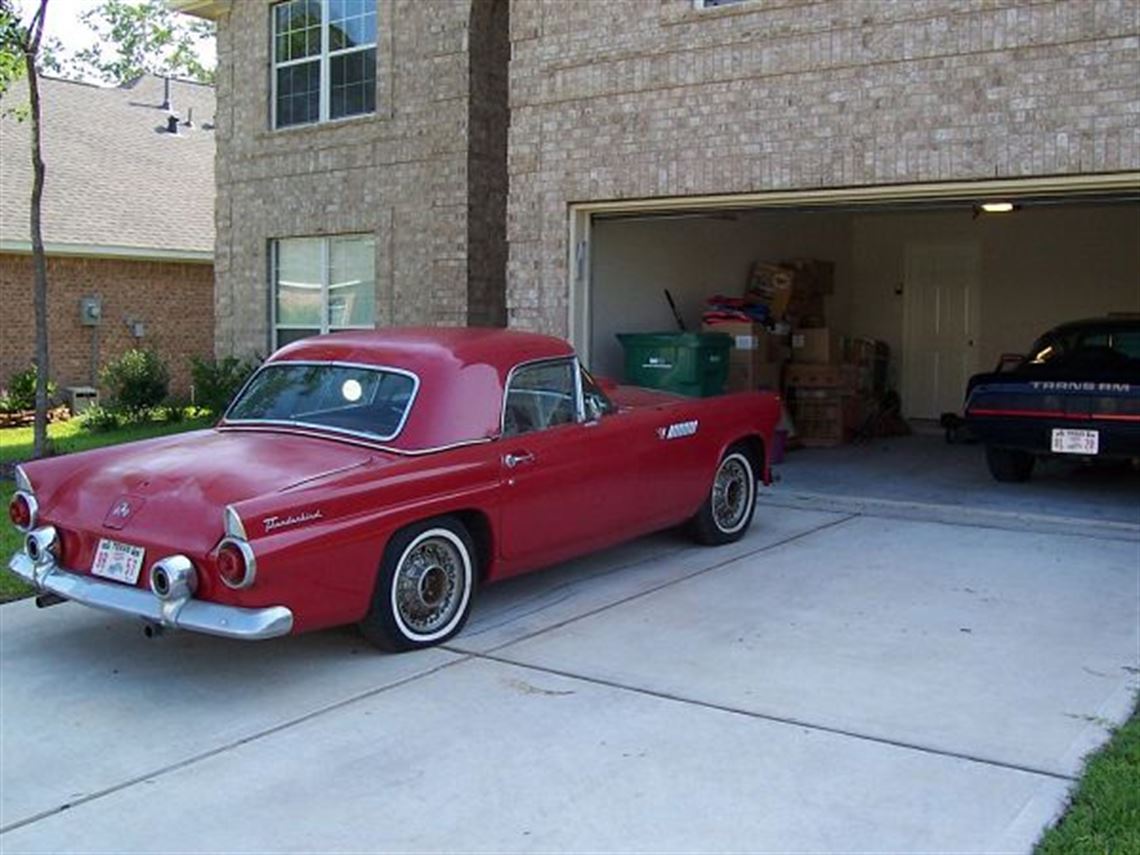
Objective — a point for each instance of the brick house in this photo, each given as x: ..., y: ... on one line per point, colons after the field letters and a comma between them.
x: 127, y: 222
x: 671, y: 143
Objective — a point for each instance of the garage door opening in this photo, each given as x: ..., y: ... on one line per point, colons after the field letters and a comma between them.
x: 948, y: 287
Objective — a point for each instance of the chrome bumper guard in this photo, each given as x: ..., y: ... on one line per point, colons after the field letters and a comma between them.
x: 191, y: 614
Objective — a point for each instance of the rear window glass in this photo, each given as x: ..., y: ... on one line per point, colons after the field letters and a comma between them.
x: 369, y: 401
x: 1087, y: 341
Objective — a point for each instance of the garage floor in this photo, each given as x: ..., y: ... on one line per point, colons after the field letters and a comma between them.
x: 924, y: 469
x: 865, y: 679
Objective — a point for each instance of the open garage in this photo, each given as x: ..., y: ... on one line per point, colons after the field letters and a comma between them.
x: 947, y: 286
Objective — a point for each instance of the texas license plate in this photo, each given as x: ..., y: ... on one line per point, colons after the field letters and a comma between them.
x: 1068, y: 441
x: 119, y: 561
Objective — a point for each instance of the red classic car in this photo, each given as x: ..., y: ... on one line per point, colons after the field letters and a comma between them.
x: 378, y: 478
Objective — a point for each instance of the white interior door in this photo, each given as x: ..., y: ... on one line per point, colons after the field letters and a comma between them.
x: 940, y: 326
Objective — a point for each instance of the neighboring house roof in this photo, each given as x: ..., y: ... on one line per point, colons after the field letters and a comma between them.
x: 118, y: 183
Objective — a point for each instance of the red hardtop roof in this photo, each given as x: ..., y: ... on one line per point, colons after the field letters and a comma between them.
x: 413, y: 348
x: 462, y: 372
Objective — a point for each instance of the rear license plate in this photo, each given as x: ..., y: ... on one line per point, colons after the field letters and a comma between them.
x: 1067, y: 441
x: 119, y: 561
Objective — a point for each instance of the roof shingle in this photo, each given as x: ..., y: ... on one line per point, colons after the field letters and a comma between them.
x: 115, y: 176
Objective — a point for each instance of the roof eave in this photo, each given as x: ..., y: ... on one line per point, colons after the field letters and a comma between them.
x: 90, y: 250
x: 211, y: 10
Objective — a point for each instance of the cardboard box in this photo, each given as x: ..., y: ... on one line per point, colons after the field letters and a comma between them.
x: 748, y: 375
x: 750, y: 338
x: 824, y: 417
x: 821, y: 346
x: 809, y: 375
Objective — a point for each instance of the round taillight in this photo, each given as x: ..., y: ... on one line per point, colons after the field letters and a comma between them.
x: 231, y: 565
x: 21, y: 512
x: 236, y: 564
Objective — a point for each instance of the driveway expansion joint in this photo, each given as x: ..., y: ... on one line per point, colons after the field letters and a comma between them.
x: 784, y: 720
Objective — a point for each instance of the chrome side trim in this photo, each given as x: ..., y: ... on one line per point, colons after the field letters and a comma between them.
x: 265, y: 427
x: 265, y: 366
x: 191, y: 614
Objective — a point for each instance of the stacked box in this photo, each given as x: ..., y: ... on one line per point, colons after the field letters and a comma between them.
x: 821, y: 346
x: 824, y: 417
x: 757, y: 356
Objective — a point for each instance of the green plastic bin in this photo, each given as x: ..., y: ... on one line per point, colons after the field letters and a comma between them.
x: 693, y: 364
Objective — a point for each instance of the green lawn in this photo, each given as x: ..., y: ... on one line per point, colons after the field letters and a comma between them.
x: 16, y: 445
x: 1104, y: 818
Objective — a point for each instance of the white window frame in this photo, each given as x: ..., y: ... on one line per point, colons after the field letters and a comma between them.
x: 326, y: 267
x: 325, y: 61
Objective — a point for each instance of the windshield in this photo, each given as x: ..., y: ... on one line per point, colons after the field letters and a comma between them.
x: 354, y: 399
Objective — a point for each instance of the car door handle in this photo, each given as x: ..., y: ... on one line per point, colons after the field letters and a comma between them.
x: 513, y: 460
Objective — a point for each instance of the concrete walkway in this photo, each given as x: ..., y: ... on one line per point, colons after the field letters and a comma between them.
x: 834, y: 682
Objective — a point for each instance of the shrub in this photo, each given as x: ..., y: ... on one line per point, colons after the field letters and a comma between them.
x: 217, y: 381
x: 137, y: 381
x: 99, y: 419
x: 22, y: 391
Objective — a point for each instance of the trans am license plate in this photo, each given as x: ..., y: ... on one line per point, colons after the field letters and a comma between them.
x: 119, y: 561
x: 1067, y: 441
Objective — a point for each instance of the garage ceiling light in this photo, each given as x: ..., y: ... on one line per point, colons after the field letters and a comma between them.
x: 997, y: 207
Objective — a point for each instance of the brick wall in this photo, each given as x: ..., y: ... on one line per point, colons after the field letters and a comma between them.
x: 402, y: 174
x: 173, y: 300
x: 651, y: 98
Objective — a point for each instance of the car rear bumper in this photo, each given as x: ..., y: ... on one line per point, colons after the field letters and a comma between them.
x: 1116, y: 440
x: 195, y: 615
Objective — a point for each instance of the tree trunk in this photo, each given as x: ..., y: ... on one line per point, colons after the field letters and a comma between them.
x: 39, y: 262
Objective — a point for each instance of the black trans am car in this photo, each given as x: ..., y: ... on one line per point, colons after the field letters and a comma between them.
x: 1076, y: 393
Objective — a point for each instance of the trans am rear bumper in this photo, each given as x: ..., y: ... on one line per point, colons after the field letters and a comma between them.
x: 195, y: 615
x: 1117, y: 439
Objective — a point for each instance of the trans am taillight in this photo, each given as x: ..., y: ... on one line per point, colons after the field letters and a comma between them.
x: 237, y: 567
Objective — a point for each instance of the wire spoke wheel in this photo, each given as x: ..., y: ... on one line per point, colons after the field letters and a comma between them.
x: 731, y: 501
x: 731, y: 496
x: 424, y: 586
x: 430, y: 584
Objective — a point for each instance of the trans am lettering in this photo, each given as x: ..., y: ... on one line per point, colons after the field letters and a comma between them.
x: 273, y: 523
x: 1079, y: 386
x: 678, y: 430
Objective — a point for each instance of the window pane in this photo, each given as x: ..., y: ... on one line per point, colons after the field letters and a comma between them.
x: 297, y: 29
x: 353, y: 77
x: 298, y: 286
x: 298, y: 94
x: 540, y: 397
x: 352, y: 283
x: 285, y: 337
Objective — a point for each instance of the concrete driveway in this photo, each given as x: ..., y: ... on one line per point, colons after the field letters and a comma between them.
x: 836, y: 681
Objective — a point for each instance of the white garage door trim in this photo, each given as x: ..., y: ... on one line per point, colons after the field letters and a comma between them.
x: 581, y: 214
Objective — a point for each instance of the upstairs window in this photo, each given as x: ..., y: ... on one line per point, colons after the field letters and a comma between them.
x: 324, y: 60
